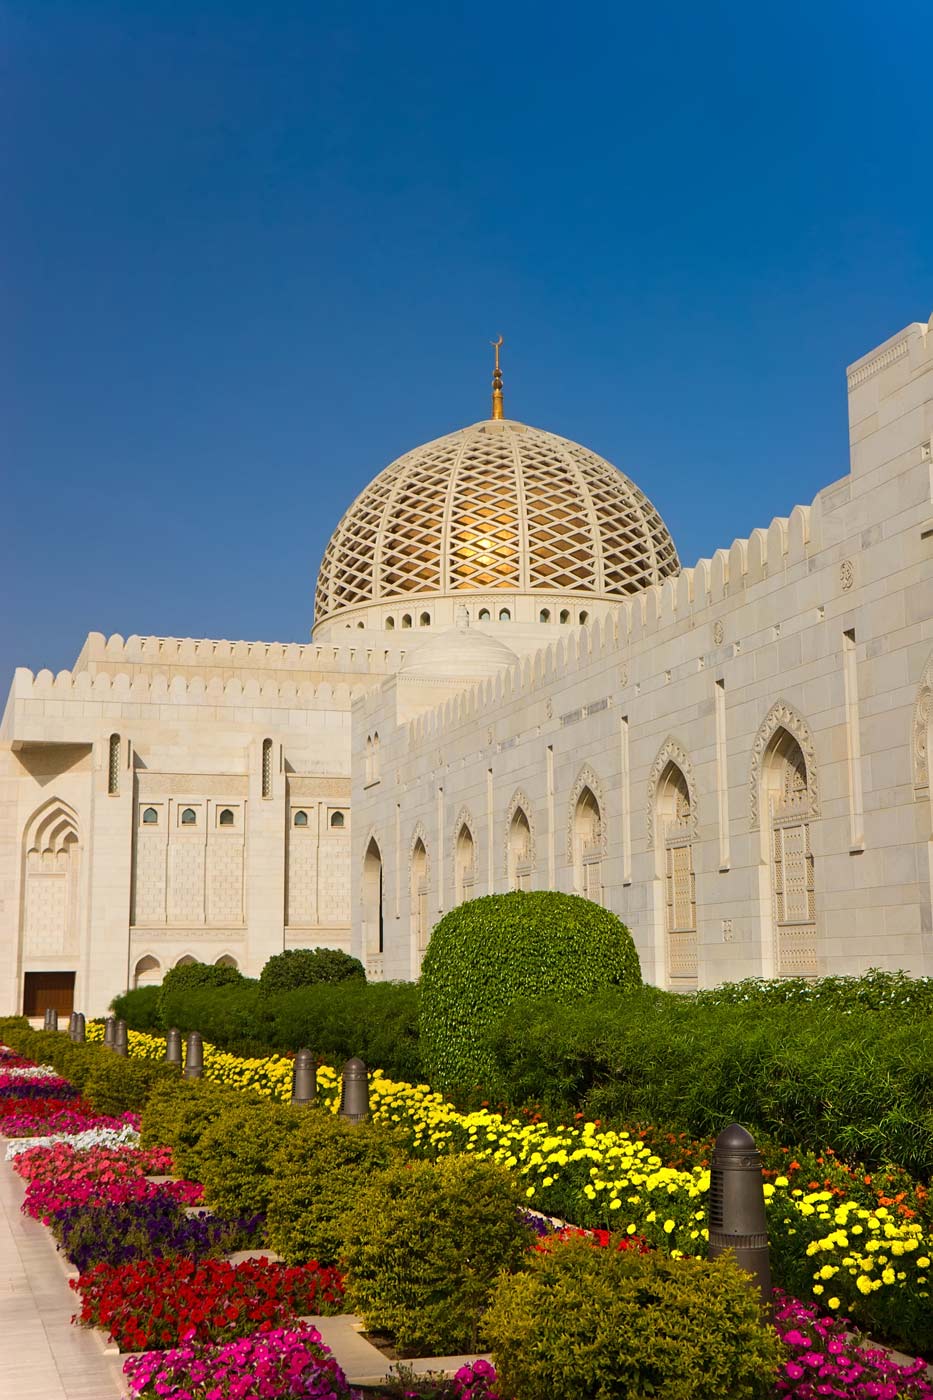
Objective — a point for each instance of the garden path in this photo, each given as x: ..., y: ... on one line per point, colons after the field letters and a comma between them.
x: 42, y: 1357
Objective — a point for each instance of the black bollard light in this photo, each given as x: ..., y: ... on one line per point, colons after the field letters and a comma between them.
x: 79, y: 1034
x: 109, y: 1027
x: 71, y: 1025
x: 737, y: 1219
x: 304, y: 1079
x: 173, y: 1048
x: 354, y: 1091
x: 194, y: 1056
x: 121, y: 1042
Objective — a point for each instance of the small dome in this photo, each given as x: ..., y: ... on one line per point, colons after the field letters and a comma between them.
x: 459, y: 654
x: 496, y: 506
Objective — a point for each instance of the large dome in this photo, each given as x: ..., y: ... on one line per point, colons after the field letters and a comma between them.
x: 496, y: 507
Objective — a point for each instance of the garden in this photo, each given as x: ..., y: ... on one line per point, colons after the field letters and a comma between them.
x: 533, y: 1191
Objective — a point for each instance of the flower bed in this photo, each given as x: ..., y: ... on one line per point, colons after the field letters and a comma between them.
x: 160, y: 1303
x: 46, y: 1200
x: 42, y: 1117
x: 155, y: 1227
x: 283, y: 1362
x: 879, y: 1257
x: 825, y: 1360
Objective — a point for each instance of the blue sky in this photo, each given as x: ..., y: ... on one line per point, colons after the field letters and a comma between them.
x: 251, y: 252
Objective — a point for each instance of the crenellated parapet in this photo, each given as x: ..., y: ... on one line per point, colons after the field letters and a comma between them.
x: 309, y: 661
x: 711, y: 586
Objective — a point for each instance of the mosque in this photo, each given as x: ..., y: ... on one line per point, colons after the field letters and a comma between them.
x: 511, y: 683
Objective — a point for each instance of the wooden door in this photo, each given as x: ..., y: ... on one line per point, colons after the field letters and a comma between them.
x: 48, y: 989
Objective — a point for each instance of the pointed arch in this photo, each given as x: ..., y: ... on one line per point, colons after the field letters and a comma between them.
x: 586, y: 779
x: 671, y: 752
x: 520, y: 844
x: 419, y: 874
x: 464, y: 855
x: 227, y: 960
x: 147, y: 972
x: 372, y: 888
x: 51, y: 866
x: 782, y: 715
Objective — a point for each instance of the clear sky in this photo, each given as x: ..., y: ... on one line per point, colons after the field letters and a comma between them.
x: 251, y: 252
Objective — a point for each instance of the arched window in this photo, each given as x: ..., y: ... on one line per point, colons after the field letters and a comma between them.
x: 150, y: 817
x: 588, y: 847
x: 186, y: 961
x: 300, y: 819
x: 565, y: 615
x: 226, y: 961
x: 337, y: 821
x: 189, y: 817
x: 544, y: 615
x: 464, y: 864
x: 406, y: 619
x: 267, y: 767
x: 584, y: 618
x: 113, y: 770
x: 675, y: 848
x: 226, y: 817
x: 390, y: 624
x: 419, y: 896
x: 505, y: 615
x: 521, y: 860
x: 425, y: 620
x: 786, y: 806
x: 484, y: 615
x: 375, y: 777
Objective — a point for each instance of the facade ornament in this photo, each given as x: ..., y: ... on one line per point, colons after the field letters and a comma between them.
x: 846, y: 574
x: 782, y: 716
x: 549, y: 708
x: 671, y: 751
x: 623, y: 675
x: 586, y: 778
x: 719, y: 632
x: 923, y: 709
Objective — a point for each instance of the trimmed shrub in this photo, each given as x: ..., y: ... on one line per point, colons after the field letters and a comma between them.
x: 488, y: 953
x: 426, y: 1244
x: 302, y: 967
x: 187, y: 976
x: 318, y: 1176
x: 237, y: 1150
x: 376, y: 1020
x: 115, y: 1085
x: 177, y: 1114
x: 599, y: 1323
x: 139, y: 1008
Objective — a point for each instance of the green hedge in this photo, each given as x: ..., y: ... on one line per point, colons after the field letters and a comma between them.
x: 139, y: 1008
x: 376, y: 1020
x: 859, y: 1083
x: 489, y: 953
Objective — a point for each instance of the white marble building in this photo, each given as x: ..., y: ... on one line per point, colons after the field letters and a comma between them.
x: 511, y: 683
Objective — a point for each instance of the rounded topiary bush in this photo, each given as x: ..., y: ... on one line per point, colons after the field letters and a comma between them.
x: 302, y: 967
x: 237, y: 1151
x: 425, y: 1246
x: 489, y: 953
x: 599, y: 1323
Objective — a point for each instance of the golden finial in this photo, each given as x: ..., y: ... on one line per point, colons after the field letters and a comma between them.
x: 497, y: 382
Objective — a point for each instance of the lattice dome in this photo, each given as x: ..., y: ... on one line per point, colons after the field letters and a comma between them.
x: 495, y: 506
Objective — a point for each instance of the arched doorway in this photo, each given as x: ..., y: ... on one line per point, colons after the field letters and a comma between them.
x: 786, y: 807
x: 587, y: 841
x: 418, y: 892
x: 464, y: 864
x: 373, y: 927
x: 675, y: 828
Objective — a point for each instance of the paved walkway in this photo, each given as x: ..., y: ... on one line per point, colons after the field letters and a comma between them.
x: 42, y: 1357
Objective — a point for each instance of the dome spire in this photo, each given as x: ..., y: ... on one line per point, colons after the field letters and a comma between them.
x: 497, y: 382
